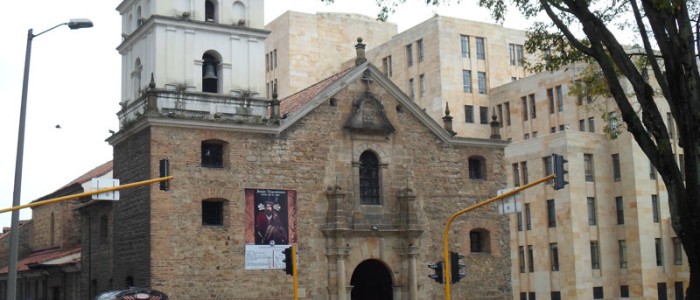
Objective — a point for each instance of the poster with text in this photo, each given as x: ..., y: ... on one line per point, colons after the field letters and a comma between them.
x: 270, y: 225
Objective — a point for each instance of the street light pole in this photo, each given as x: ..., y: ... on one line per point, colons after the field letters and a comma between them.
x: 14, y: 229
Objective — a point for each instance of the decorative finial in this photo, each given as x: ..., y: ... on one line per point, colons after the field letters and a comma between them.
x: 447, y: 109
x: 152, y: 84
x: 360, y: 49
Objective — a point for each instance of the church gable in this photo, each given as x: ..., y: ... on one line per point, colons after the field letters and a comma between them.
x: 368, y: 115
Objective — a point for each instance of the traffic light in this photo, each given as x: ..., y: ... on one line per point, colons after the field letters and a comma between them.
x: 288, y: 261
x: 559, y: 171
x: 164, y: 171
x: 437, y: 276
x: 456, y: 267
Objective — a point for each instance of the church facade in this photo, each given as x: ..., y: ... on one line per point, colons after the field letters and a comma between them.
x: 349, y: 170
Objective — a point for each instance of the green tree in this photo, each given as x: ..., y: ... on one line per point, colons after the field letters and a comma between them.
x: 578, y: 30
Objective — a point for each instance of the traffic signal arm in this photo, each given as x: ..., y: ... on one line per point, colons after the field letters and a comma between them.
x: 445, y: 234
x: 69, y: 197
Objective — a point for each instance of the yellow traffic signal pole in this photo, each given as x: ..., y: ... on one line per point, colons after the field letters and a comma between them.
x: 294, y: 272
x: 445, y: 236
x: 69, y: 197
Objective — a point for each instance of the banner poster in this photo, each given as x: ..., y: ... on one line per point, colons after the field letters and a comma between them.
x: 270, y: 227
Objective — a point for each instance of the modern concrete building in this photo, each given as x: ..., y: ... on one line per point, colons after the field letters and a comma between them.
x: 607, y: 235
x: 448, y: 61
x: 303, y: 49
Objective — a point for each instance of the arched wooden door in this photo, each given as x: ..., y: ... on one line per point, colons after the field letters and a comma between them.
x: 371, y: 280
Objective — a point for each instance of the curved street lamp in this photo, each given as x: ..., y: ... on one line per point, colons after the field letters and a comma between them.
x: 14, y: 233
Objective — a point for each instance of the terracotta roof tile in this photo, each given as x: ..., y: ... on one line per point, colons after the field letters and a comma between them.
x: 296, y: 101
x: 39, y: 257
x: 96, y: 172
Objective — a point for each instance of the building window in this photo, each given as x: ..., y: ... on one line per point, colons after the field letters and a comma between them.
x: 464, y: 41
x: 523, y: 101
x: 411, y: 86
x: 422, y: 85
x: 482, y: 83
x: 659, y: 252
x: 669, y: 124
x: 480, y: 48
x: 507, y: 107
x: 467, y: 80
x: 677, y: 251
x: 678, y: 290
x: 582, y: 125
x: 516, y: 174
x: 616, y: 167
x: 554, y: 256
x: 479, y: 241
x: 419, y: 45
x: 409, y: 55
x: 386, y: 65
x: 550, y: 97
x: 681, y: 164
x: 519, y: 216
x: 484, y: 114
x: 595, y: 255
x: 551, y: 214
x: 210, y: 76
x: 523, y: 296
x: 477, y: 167
x: 661, y: 288
x: 592, y: 220
x: 530, y: 259
x: 560, y: 98
x: 612, y: 124
x: 655, y: 208
x: 622, y: 245
x: 620, y: 209
x: 209, y: 11
x: 591, y: 124
x: 369, y: 178
x: 523, y: 166
x: 598, y: 292
x: 469, y: 113
x: 624, y: 291
x: 533, y: 106
x: 555, y: 295
x: 516, y: 54
x: 652, y: 170
x: 212, y: 213
x: 528, y: 220
x: 531, y: 296
x: 553, y: 129
x: 212, y: 154
x: 499, y: 109
x: 104, y: 228
x: 526, y: 136
x: 521, y: 258
x: 588, y: 166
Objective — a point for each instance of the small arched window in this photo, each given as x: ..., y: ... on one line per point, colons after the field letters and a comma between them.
x: 369, y: 178
x: 477, y: 167
x: 104, y: 228
x: 480, y: 241
x: 53, y: 230
x: 209, y: 11
x: 210, y: 72
x: 213, y: 154
x: 213, y: 212
x: 239, y: 14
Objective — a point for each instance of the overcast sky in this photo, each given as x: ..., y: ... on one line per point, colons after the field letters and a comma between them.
x: 75, y: 83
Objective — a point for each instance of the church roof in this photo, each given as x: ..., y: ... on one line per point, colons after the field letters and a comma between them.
x: 47, y: 257
x: 296, y: 101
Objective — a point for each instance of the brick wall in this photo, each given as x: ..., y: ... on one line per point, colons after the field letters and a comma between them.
x: 131, y: 214
x: 189, y: 260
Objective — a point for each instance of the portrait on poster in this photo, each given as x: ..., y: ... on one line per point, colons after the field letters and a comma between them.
x: 270, y: 225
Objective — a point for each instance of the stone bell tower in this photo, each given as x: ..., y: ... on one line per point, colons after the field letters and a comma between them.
x: 209, y: 46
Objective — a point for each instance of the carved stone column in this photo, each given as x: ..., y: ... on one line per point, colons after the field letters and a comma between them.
x: 407, y: 212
